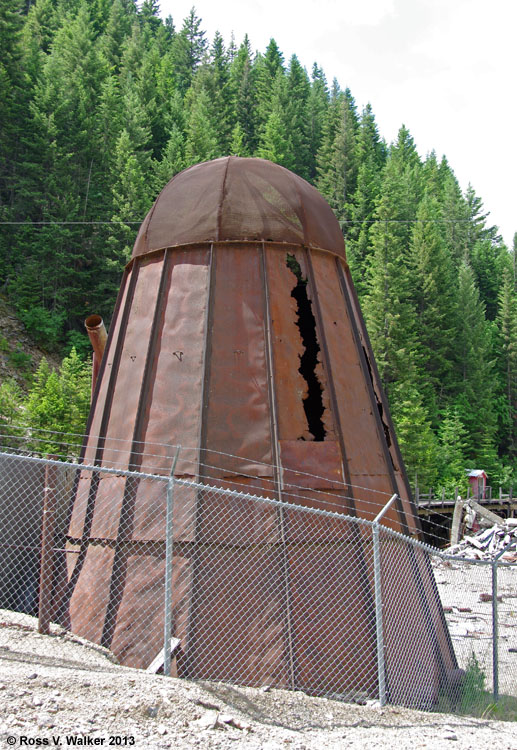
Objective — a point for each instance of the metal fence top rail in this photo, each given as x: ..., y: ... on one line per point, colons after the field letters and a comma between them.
x: 282, y: 505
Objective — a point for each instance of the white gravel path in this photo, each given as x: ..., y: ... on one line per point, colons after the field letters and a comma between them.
x: 58, y: 690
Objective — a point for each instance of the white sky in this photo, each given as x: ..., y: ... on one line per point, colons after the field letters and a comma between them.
x: 444, y: 68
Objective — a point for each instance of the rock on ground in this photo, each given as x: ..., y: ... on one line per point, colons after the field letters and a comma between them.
x: 59, y: 690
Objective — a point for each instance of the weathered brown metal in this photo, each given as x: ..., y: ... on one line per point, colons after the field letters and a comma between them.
x: 98, y: 336
x: 237, y: 334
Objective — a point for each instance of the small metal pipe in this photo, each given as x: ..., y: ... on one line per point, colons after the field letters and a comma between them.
x: 385, y: 509
x: 98, y: 336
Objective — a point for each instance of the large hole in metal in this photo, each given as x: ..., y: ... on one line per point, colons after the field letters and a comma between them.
x: 313, y: 401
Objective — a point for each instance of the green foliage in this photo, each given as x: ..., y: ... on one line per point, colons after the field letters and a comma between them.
x: 20, y: 360
x: 10, y: 414
x: 44, y: 326
x: 473, y: 696
x: 452, y: 460
x: 102, y: 102
x: 57, y: 406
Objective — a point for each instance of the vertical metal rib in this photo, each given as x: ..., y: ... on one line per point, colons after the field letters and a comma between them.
x: 190, y: 629
x: 276, y: 469
x: 127, y: 510
x: 351, y: 510
x: 373, y: 400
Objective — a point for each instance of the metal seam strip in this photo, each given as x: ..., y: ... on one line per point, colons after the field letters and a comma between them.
x: 190, y: 630
x: 365, y: 583
x: 371, y: 393
x: 291, y: 666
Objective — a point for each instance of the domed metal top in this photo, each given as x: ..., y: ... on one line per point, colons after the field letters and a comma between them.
x: 237, y: 199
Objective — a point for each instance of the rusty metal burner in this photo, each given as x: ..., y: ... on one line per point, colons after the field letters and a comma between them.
x: 237, y: 333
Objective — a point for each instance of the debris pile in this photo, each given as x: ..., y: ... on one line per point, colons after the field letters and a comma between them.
x: 489, y: 542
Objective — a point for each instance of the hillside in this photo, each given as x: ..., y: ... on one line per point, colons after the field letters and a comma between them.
x: 19, y: 354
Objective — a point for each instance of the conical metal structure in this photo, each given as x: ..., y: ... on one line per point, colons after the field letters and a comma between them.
x: 237, y: 333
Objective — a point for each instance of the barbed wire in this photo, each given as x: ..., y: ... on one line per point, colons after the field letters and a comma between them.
x: 331, y: 498
x: 120, y: 222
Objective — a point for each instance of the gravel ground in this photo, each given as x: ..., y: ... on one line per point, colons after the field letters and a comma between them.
x: 58, y: 690
x: 465, y: 591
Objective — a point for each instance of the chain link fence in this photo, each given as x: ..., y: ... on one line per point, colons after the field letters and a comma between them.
x: 202, y: 582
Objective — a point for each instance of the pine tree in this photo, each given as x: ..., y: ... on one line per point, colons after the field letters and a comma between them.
x: 201, y: 143
x: 173, y: 159
x: 433, y: 289
x: 452, y: 459
x: 244, y: 97
x: 371, y: 155
x: 132, y: 196
x: 317, y: 105
x: 337, y: 158
x: 267, y: 67
x: 57, y: 407
x: 476, y: 386
x: 297, y: 116
x: 116, y: 33
x: 275, y: 141
x: 507, y: 334
x: 188, y: 49
x: 417, y: 441
x: 389, y: 306
x: 150, y: 15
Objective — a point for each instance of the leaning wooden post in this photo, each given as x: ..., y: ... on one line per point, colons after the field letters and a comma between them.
x: 456, y: 520
x: 47, y: 547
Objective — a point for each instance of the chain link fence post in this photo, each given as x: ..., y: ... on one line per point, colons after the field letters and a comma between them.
x: 47, y: 547
x: 495, y: 623
x: 169, y: 549
x: 377, y: 582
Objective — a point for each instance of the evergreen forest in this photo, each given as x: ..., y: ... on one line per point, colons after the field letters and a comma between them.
x: 102, y: 102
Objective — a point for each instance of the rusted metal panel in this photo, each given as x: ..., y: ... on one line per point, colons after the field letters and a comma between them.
x: 240, y: 597
x: 238, y: 392
x: 124, y: 412
x: 332, y: 625
x: 236, y: 520
x: 174, y: 408
x: 290, y: 386
x: 89, y: 602
x: 150, y: 512
x: 108, y: 504
x: 312, y: 464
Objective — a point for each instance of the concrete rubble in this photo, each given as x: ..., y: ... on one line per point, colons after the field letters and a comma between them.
x: 489, y: 542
